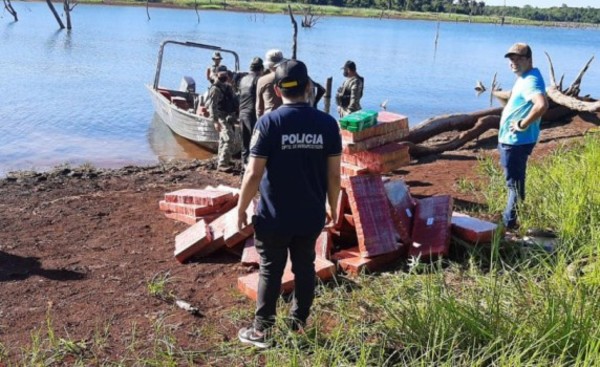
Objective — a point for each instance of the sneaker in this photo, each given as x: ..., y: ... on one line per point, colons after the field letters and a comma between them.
x: 226, y: 169
x: 249, y: 335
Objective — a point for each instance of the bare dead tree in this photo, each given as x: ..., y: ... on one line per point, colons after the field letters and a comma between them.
x: 68, y: 7
x: 9, y: 8
x: 147, y: 10
x: 295, y: 34
x: 196, y: 9
x: 570, y: 97
x: 309, y: 19
x: 55, y: 13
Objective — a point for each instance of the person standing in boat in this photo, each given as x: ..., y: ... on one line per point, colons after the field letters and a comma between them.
x: 211, y: 71
x: 349, y: 94
x: 266, y: 99
x: 223, y: 108
x: 247, y: 91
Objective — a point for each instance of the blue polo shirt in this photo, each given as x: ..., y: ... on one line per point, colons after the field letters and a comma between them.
x: 518, y: 107
x: 296, y: 140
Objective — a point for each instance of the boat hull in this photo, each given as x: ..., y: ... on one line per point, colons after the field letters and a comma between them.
x: 198, y: 129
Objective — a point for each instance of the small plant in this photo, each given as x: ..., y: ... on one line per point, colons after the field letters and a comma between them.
x: 157, y: 286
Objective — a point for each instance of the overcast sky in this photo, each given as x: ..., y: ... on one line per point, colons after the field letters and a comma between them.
x: 546, y: 3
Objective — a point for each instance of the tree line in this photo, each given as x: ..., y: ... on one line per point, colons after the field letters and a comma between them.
x: 563, y: 13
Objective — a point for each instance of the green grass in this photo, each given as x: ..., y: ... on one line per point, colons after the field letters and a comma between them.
x: 500, y: 306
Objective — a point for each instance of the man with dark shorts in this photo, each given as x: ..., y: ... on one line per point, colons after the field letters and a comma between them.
x: 295, y: 159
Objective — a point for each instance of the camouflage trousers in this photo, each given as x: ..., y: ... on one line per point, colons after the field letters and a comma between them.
x: 226, y: 141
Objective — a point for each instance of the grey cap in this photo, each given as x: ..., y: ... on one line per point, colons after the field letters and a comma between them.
x: 273, y: 57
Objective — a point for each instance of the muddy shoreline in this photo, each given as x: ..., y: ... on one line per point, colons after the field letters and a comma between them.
x: 78, y: 246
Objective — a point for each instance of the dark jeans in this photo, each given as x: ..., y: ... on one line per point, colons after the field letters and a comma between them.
x: 513, y: 159
x: 273, y: 249
x: 247, y: 121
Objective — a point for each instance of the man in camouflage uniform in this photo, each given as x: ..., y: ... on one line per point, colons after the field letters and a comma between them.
x: 211, y: 71
x: 349, y: 94
x: 223, y: 108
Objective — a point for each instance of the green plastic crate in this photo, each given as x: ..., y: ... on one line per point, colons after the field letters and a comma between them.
x: 359, y: 120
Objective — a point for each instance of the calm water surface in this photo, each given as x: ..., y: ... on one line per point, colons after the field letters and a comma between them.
x: 79, y: 96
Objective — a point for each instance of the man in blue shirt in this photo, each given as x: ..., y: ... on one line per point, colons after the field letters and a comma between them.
x: 519, y: 125
x: 295, y: 155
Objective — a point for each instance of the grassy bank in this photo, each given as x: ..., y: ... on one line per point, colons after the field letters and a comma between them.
x: 279, y: 8
x: 505, y: 305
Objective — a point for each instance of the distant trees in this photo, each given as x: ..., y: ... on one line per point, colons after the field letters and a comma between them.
x: 563, y: 13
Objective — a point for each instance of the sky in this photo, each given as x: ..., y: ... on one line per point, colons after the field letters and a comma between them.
x: 546, y: 3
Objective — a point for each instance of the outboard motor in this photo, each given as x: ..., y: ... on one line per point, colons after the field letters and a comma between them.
x: 188, y: 85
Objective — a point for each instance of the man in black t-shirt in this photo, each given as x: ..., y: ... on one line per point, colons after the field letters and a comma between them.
x: 295, y: 154
x: 247, y: 87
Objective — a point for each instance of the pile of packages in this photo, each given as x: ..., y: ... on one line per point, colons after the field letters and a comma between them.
x: 378, y: 221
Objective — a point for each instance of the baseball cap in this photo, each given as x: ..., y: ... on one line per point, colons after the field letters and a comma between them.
x: 519, y: 49
x: 256, y: 64
x: 273, y: 57
x: 350, y: 65
x: 217, y: 56
x: 291, y: 74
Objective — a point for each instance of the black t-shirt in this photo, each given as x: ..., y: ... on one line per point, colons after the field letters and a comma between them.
x: 247, y: 88
x: 297, y: 140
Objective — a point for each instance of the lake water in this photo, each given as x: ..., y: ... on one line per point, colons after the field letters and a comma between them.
x: 79, y: 96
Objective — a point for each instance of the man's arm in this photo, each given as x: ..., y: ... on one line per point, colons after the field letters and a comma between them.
x: 502, y: 95
x: 333, y: 184
x: 540, y: 105
x: 354, y: 104
x: 250, y: 183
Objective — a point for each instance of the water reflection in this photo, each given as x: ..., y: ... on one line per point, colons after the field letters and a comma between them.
x: 169, y: 146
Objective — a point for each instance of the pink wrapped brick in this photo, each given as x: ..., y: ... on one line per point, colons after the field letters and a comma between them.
x: 323, y: 245
x: 352, y: 170
x: 342, y: 206
x: 193, y: 241
x: 431, y: 227
x: 402, y: 208
x: 225, y: 227
x: 385, y: 158
x: 188, y: 209
x: 387, y: 122
x: 250, y: 256
x: 199, y: 197
x: 374, y: 227
x: 471, y: 229
x: 376, y: 141
x: 355, y: 265
x: 187, y: 219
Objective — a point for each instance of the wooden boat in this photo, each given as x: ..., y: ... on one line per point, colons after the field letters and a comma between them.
x: 177, y: 108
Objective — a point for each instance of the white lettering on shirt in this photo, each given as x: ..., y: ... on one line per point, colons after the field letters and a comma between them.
x: 301, y: 141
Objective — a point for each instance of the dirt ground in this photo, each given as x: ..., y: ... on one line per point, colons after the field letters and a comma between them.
x: 78, y: 247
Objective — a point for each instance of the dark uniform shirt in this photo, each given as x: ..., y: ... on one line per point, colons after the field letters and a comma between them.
x: 297, y: 140
x: 247, y: 89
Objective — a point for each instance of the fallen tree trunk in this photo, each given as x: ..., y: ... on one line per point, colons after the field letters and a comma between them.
x: 482, y: 125
x: 572, y: 103
x: 441, y: 124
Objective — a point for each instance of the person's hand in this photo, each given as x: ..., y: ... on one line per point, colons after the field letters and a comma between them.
x: 242, y: 221
x: 516, y: 126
